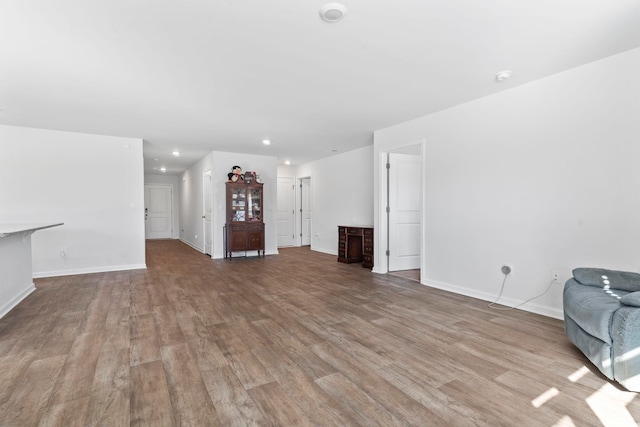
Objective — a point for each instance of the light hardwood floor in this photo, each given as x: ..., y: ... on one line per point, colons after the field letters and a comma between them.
x: 292, y: 340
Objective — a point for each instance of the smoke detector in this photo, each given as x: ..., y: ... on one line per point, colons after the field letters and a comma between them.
x: 503, y: 75
x: 332, y: 12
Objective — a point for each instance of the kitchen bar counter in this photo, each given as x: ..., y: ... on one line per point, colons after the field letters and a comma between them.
x: 16, y: 274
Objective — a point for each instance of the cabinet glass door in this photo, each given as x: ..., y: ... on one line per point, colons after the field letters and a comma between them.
x: 238, y: 203
x: 254, y: 205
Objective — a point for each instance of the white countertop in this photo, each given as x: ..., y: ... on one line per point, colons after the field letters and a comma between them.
x: 9, y: 229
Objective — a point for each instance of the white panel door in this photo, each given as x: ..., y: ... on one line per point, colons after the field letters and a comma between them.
x: 405, y: 200
x: 305, y: 211
x: 158, y: 215
x: 206, y: 212
x: 285, y: 214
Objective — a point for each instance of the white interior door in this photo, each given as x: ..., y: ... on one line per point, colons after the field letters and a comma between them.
x: 286, y: 214
x: 405, y: 200
x: 305, y: 211
x: 206, y: 212
x: 158, y: 215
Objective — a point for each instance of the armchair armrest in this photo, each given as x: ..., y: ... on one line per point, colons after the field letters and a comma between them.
x: 632, y: 299
x: 603, y: 278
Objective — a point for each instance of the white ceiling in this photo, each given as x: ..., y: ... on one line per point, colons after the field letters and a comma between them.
x: 203, y: 75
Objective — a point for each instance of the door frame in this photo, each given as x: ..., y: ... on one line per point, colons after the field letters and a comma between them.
x: 299, y: 212
x: 381, y: 233
x: 205, y: 174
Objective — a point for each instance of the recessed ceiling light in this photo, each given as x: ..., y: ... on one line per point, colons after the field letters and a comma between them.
x: 503, y: 75
x: 266, y: 142
x: 287, y: 162
x: 332, y: 12
x: 163, y: 169
x: 176, y: 153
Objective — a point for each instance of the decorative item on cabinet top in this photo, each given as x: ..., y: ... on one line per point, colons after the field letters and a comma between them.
x: 236, y: 174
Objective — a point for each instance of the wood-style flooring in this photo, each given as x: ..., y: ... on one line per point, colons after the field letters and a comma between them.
x: 407, y: 274
x: 296, y: 339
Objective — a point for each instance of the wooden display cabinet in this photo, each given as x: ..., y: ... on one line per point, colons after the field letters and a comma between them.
x: 355, y: 244
x: 244, y: 230
x: 367, y: 247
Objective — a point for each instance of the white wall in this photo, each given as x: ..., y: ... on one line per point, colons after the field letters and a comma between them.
x: 341, y: 194
x: 191, y: 200
x: 92, y: 183
x: 543, y: 177
x: 174, y: 182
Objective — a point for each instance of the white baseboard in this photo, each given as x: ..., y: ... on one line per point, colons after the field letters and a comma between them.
x: 324, y: 251
x: 531, y: 306
x: 9, y: 305
x: 193, y: 246
x: 88, y: 270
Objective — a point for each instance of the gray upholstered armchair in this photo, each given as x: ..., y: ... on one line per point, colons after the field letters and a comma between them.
x: 602, y: 318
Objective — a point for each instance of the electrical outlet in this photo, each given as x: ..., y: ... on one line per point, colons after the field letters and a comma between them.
x: 555, y: 275
x: 507, y: 269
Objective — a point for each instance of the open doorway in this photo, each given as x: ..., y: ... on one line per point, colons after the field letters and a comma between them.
x: 286, y: 212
